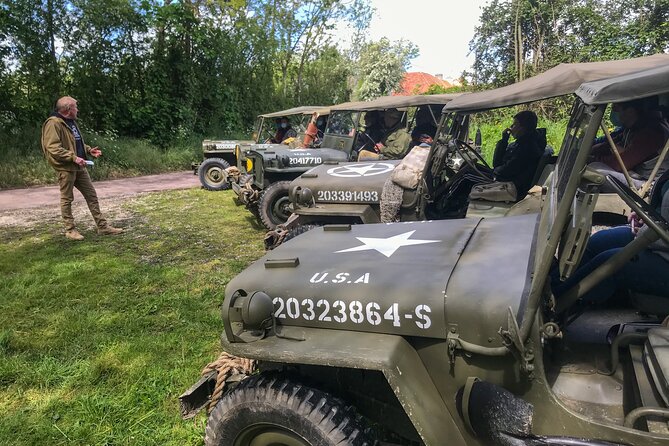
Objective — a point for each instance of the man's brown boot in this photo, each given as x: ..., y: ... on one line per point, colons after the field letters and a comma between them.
x: 109, y: 230
x: 73, y: 234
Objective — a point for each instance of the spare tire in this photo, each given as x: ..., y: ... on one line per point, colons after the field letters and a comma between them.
x: 213, y: 174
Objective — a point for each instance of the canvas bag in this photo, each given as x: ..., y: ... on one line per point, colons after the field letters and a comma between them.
x: 497, y: 191
x: 409, y: 171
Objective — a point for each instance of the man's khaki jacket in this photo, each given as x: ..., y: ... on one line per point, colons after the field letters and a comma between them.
x: 59, y: 146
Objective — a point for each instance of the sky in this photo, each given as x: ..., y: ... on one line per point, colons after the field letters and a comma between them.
x: 441, y: 29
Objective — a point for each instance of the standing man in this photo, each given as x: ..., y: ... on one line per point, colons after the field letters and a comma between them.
x: 64, y: 149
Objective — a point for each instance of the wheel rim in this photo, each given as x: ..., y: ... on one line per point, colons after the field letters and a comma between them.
x: 215, y: 175
x: 281, y: 209
x: 269, y: 435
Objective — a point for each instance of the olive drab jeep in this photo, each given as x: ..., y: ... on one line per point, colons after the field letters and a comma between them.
x: 265, y: 169
x: 219, y: 155
x: 447, y: 332
x: 370, y: 193
x: 270, y: 168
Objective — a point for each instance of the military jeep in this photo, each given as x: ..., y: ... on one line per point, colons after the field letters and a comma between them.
x: 219, y: 155
x: 271, y: 168
x: 355, y: 193
x: 446, y: 332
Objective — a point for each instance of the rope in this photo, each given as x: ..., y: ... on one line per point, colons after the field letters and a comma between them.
x: 234, y: 172
x: 226, y: 365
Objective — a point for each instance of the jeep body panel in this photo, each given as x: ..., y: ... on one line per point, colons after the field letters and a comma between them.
x: 343, y: 285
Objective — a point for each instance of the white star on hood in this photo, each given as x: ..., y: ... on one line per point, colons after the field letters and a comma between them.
x: 387, y: 246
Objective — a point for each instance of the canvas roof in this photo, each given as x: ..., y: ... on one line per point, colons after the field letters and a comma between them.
x: 303, y: 110
x: 558, y: 81
x: 637, y: 85
x: 386, y: 102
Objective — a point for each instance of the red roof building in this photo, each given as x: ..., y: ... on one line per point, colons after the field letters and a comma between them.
x: 418, y: 83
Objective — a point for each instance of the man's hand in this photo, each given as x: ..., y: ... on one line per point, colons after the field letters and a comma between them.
x: 95, y: 152
x: 506, y: 133
x: 80, y: 161
x: 378, y: 147
x: 635, y: 222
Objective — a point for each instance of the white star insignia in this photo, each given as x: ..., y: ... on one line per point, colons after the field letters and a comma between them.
x: 387, y: 246
x: 361, y: 170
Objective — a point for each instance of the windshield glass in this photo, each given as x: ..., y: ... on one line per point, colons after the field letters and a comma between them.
x: 342, y: 123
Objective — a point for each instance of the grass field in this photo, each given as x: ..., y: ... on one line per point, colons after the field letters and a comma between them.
x: 99, y: 337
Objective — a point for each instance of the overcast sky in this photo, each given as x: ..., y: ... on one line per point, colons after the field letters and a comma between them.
x: 442, y: 30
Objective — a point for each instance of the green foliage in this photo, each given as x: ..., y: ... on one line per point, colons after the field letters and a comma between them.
x: 99, y: 337
x: 24, y: 165
x: 164, y: 71
x: 518, y: 38
x: 381, y: 67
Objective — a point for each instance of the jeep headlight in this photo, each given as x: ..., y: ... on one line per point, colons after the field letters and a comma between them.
x: 249, y: 164
x: 304, y: 196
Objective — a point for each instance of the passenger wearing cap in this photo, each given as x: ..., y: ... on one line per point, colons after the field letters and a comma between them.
x: 396, y: 144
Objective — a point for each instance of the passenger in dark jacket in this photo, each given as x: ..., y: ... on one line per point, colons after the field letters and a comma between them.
x: 518, y: 161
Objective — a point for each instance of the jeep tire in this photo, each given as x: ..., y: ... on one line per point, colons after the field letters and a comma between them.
x: 274, y: 411
x: 299, y: 230
x: 213, y: 175
x: 273, y: 205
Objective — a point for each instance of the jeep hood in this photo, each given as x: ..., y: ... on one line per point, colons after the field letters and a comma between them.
x: 416, y: 279
x: 281, y: 158
x: 360, y: 182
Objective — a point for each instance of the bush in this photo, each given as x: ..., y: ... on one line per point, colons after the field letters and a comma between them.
x: 22, y: 163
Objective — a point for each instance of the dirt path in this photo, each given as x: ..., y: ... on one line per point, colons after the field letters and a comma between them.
x: 15, y: 199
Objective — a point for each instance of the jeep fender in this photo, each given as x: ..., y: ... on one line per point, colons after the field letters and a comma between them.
x: 391, y: 355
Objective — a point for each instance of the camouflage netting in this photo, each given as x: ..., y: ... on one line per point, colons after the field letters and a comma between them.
x: 391, y: 201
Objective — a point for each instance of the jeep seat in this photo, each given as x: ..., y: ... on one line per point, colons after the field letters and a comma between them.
x: 657, y: 359
x: 544, y: 161
x: 650, y: 304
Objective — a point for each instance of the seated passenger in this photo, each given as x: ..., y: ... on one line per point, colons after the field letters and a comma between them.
x: 396, y: 143
x: 372, y: 134
x: 647, y: 272
x: 514, y: 164
x: 283, y: 131
x: 426, y: 125
x: 639, y: 141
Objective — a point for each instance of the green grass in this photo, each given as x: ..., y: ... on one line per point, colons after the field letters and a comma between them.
x: 99, y: 337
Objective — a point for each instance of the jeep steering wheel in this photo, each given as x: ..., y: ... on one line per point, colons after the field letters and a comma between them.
x: 645, y: 211
x: 477, y: 156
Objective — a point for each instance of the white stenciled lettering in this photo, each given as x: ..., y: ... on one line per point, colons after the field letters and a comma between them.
x: 341, y: 306
x: 356, y: 312
x: 363, y: 279
x: 293, y: 308
x: 324, y: 317
x: 347, y: 196
x: 424, y: 320
x: 316, y: 279
x: 279, y: 311
x: 308, y: 313
x: 339, y: 278
x: 372, y: 311
x: 392, y: 314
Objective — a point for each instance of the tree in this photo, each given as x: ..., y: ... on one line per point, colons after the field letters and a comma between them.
x: 518, y: 38
x: 381, y: 67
